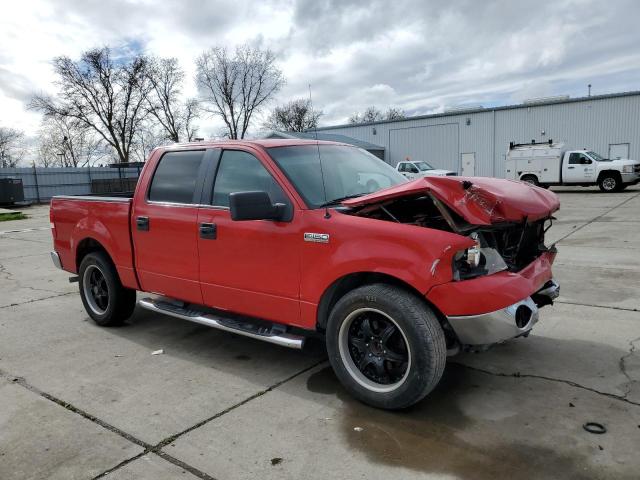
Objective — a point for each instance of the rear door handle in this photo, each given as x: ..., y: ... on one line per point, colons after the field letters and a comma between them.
x: 208, y: 231
x: 142, y: 224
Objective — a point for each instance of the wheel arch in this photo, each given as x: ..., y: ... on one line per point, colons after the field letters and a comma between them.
x: 334, y: 292
x: 86, y: 246
x: 610, y: 173
x: 528, y: 174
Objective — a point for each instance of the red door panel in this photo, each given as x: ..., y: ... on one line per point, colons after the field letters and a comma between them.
x: 252, y: 267
x: 167, y: 254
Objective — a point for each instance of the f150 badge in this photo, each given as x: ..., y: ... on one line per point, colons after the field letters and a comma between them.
x: 316, y: 237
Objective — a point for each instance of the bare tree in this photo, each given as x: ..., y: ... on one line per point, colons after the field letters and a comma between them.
x: 164, y: 103
x: 147, y: 138
x: 235, y: 87
x: 103, y: 94
x: 373, y: 114
x: 12, y: 149
x: 394, y: 114
x: 66, y: 142
x: 295, y: 116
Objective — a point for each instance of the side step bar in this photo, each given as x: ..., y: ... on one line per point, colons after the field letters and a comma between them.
x: 265, y: 331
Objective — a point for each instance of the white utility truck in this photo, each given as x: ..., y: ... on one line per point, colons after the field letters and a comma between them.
x: 545, y: 164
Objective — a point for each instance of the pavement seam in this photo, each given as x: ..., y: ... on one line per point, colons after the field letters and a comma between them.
x: 595, y: 219
x: 148, y: 448
x: 179, y: 463
x: 550, y: 379
x: 172, y: 438
x: 72, y: 408
x: 120, y: 465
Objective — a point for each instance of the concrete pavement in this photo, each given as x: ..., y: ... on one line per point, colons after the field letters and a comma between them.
x: 80, y: 401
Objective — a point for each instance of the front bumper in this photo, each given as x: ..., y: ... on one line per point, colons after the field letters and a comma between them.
x: 501, y: 325
x: 630, y: 178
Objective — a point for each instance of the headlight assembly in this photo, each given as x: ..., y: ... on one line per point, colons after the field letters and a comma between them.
x: 627, y: 169
x: 476, y: 261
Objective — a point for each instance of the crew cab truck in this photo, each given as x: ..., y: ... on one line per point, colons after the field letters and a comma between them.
x: 546, y: 164
x: 279, y: 239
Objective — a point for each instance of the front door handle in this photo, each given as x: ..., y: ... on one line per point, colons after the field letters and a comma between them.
x: 208, y: 231
x: 142, y: 224
x: 570, y: 168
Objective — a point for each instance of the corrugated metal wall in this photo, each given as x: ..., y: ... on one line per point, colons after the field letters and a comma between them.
x: 592, y: 123
x: 40, y: 184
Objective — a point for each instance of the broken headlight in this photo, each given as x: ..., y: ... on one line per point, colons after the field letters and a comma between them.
x: 477, y: 261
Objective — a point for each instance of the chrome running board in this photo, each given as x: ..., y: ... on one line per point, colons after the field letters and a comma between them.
x: 260, y: 330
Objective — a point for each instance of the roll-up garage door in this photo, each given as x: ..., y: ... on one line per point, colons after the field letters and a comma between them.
x: 435, y: 144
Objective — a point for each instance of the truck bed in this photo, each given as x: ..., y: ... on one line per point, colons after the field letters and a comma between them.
x: 103, y: 219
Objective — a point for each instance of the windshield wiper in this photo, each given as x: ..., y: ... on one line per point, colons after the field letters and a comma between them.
x: 335, y: 201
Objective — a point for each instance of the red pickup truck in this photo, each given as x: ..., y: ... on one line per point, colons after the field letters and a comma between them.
x: 278, y: 239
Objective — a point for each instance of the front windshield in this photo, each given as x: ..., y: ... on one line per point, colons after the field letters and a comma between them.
x: 348, y: 171
x: 423, y: 166
x: 596, y: 157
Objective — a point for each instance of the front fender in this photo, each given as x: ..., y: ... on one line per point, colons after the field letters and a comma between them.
x: 417, y: 256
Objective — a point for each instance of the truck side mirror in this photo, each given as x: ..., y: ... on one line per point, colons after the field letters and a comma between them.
x: 585, y: 161
x: 255, y: 206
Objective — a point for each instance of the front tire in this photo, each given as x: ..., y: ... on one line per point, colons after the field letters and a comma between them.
x: 386, y: 346
x: 104, y: 298
x: 609, y: 183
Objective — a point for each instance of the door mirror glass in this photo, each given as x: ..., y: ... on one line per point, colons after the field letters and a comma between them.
x: 255, y: 206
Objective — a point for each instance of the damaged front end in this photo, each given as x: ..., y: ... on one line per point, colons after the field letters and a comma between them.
x: 507, y: 222
x: 501, y: 242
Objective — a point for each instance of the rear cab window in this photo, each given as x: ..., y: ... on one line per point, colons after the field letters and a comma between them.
x: 175, y: 177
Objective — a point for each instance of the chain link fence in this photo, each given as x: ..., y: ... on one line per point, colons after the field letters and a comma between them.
x: 42, y: 183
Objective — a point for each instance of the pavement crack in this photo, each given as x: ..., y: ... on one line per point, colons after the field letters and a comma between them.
x: 37, y: 300
x: 626, y: 309
x: 621, y: 398
x: 623, y: 366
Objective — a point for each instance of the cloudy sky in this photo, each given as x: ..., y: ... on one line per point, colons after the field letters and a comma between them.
x: 422, y: 56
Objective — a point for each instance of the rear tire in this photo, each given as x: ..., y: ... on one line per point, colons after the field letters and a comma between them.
x: 386, y: 346
x: 609, y: 183
x: 531, y: 180
x: 104, y: 298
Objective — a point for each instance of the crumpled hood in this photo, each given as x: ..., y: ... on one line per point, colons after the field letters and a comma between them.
x: 479, y: 200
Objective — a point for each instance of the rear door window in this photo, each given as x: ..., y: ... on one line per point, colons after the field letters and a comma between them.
x: 175, y: 177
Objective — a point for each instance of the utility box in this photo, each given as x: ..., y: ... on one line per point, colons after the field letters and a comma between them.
x: 11, y: 191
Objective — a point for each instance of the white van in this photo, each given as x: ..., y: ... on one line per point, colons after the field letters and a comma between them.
x: 545, y: 164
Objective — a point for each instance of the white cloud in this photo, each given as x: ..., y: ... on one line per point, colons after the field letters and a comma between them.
x: 414, y: 54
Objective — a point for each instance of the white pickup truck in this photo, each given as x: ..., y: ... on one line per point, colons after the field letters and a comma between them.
x: 545, y: 164
x: 417, y: 169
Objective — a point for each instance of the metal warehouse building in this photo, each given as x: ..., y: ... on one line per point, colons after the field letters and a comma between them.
x: 475, y: 141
